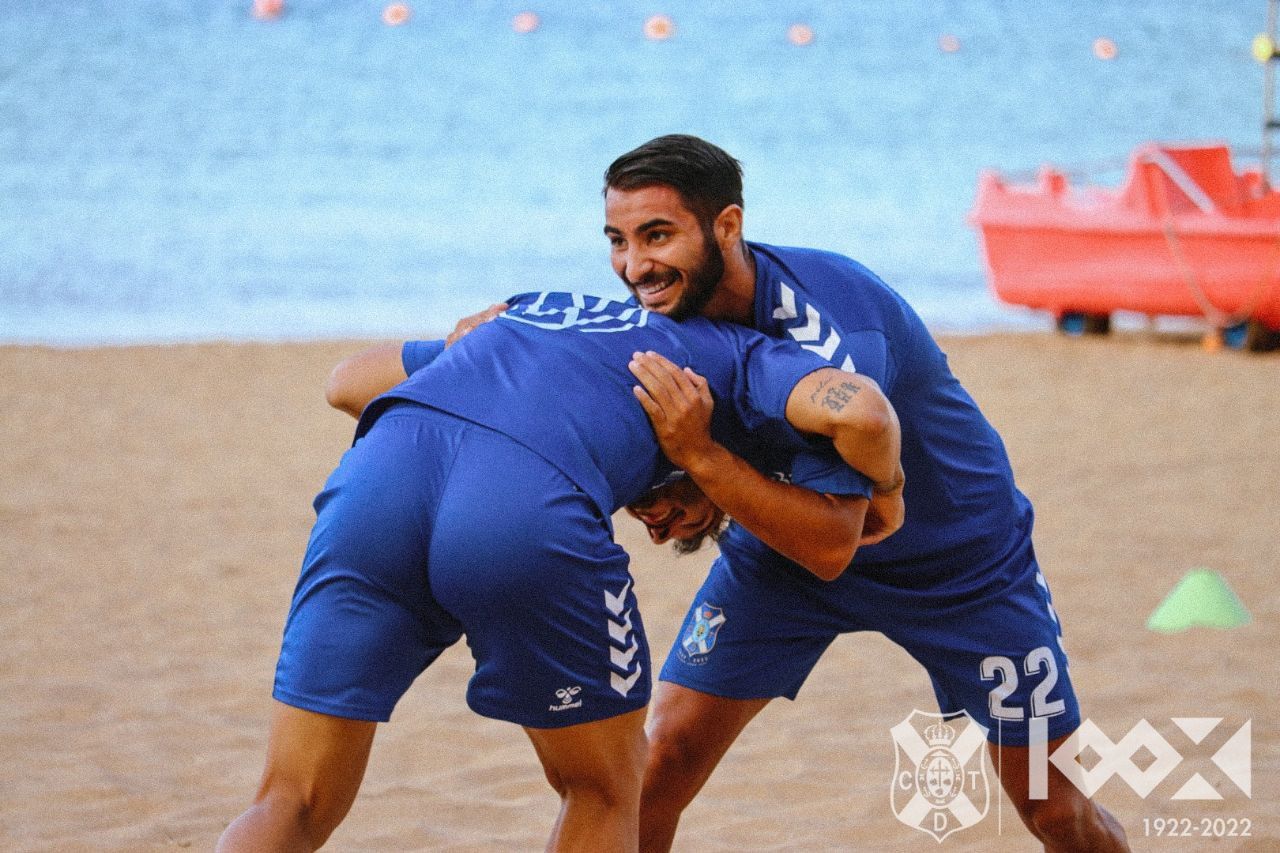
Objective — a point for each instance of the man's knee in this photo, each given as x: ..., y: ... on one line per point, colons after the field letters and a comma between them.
x: 677, y: 766
x: 616, y: 790
x: 1063, y: 820
x: 290, y: 805
x: 279, y: 819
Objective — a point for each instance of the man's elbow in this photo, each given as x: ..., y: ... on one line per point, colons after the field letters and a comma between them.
x: 829, y: 567
x: 836, y: 554
x: 338, y: 391
x: 872, y: 424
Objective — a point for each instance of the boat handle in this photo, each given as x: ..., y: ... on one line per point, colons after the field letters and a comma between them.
x: 1181, y: 180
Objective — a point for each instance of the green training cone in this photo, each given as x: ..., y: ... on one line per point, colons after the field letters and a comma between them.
x: 1200, y: 598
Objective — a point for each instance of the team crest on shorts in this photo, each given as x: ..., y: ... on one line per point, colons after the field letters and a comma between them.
x: 700, y: 637
x: 939, y: 773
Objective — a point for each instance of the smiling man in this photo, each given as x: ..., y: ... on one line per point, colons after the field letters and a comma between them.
x: 477, y: 499
x: 958, y: 586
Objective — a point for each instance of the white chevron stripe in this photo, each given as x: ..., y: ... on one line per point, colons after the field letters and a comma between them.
x: 809, y: 335
x: 1047, y: 603
x: 787, y: 310
x: 615, y: 603
x: 622, y: 659
x: 826, y: 349
x: 620, y: 630
x: 624, y: 685
x: 812, y: 328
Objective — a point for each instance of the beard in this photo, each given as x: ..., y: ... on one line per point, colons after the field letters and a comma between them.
x: 702, y: 281
x: 684, y: 547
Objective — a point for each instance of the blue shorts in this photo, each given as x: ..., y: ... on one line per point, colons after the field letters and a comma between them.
x: 433, y: 527
x: 986, y: 632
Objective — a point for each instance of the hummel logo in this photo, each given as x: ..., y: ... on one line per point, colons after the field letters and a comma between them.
x: 566, y: 694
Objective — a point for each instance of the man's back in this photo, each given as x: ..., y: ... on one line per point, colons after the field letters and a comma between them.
x: 552, y: 373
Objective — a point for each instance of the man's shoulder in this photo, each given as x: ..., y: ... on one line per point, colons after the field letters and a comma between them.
x: 818, y: 266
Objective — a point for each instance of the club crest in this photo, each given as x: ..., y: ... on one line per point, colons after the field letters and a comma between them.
x: 939, y: 776
x: 700, y: 634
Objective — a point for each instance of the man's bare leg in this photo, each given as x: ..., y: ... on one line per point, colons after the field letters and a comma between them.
x: 596, y: 769
x: 1067, y: 820
x: 689, y: 733
x: 315, y: 764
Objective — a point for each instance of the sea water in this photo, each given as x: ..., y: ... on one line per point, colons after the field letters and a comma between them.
x: 176, y: 170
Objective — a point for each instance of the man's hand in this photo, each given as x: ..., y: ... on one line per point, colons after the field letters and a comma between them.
x: 468, y: 324
x: 678, y: 403
x: 885, y: 514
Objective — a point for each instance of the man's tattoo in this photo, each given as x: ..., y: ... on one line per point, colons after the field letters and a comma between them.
x: 839, y: 396
x: 813, y: 398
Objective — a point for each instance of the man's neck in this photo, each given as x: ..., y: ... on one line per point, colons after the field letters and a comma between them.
x: 735, y: 295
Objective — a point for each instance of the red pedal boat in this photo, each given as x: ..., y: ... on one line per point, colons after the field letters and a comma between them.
x: 1186, y: 234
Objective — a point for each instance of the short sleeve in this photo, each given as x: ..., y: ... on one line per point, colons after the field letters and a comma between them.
x: 827, y: 472
x: 771, y: 370
x: 415, y: 355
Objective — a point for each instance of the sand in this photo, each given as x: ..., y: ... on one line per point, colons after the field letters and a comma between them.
x: 155, y: 501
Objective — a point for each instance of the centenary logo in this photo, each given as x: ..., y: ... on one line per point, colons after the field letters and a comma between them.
x: 939, y: 775
x: 1116, y: 758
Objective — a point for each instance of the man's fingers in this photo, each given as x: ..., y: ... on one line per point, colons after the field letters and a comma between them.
x: 662, y: 378
x: 700, y: 386
x: 467, y: 325
x: 651, y: 408
x: 655, y: 379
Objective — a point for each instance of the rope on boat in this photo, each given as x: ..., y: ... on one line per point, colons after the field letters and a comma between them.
x: 1214, y: 315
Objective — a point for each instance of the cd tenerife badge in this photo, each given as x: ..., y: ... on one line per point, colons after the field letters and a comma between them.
x: 701, y: 628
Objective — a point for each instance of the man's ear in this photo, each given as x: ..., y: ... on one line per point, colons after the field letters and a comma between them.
x: 728, y: 227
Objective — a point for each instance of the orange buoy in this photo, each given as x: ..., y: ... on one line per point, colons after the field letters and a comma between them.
x: 525, y: 22
x: 948, y: 43
x: 659, y: 28
x: 268, y: 10
x: 800, y: 34
x: 1105, y: 48
x: 396, y: 14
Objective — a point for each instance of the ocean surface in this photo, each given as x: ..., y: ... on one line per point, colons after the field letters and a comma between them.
x: 175, y: 170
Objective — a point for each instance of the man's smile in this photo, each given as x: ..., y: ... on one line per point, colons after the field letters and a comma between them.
x: 653, y: 284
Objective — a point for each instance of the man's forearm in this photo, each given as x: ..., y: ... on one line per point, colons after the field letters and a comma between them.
x: 820, y: 532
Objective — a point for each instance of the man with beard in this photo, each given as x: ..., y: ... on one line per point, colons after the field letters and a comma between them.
x: 958, y: 586
x: 476, y: 499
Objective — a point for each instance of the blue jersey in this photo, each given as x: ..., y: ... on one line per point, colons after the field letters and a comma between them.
x: 961, y: 501
x: 551, y: 373
x: 957, y: 587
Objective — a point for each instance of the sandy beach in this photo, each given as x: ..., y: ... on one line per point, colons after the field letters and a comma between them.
x: 155, y: 502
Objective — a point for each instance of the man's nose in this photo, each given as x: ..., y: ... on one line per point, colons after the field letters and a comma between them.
x: 637, y: 264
